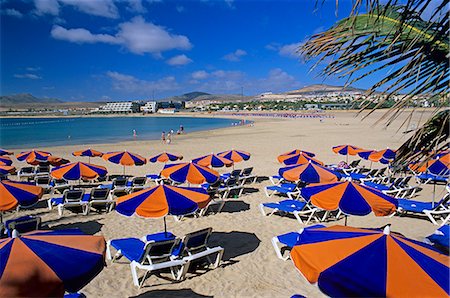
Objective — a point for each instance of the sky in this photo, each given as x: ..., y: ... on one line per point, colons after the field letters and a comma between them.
x: 100, y: 50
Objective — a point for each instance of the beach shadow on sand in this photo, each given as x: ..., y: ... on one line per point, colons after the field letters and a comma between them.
x: 171, y: 293
x: 235, y: 243
x: 235, y: 206
x: 261, y: 179
x: 88, y: 227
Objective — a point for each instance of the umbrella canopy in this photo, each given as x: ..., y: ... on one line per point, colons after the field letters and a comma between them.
x: 386, y: 154
x: 347, y: 150
x: 87, y: 152
x: 213, y: 160
x: 46, y: 263
x: 18, y: 193
x: 5, y: 160
x: 165, y: 157
x: 57, y: 161
x: 298, y: 151
x: 4, y: 169
x: 162, y: 200
x: 78, y: 170
x: 439, y: 167
x: 351, y: 198
x: 308, y: 173
x: 125, y: 158
x: 299, y: 158
x: 235, y: 155
x: 352, y: 262
x: 190, y: 172
x: 33, y: 157
x: 5, y: 152
x: 365, y: 154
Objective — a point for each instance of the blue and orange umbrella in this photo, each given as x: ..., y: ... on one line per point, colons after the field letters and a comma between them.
x: 297, y: 151
x: 162, y: 200
x: 33, y: 157
x: 299, y: 158
x: 235, y: 155
x: 125, y: 158
x: 347, y: 150
x: 5, y: 152
x: 385, y: 154
x: 189, y: 172
x: 214, y: 161
x: 365, y: 154
x: 350, y: 198
x: 88, y: 152
x: 78, y: 170
x: 5, y: 160
x: 439, y: 166
x: 355, y: 262
x: 47, y: 263
x: 308, y: 173
x: 14, y: 193
x: 165, y: 157
x: 5, y: 170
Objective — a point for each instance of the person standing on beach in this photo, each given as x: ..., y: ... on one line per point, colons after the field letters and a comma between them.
x: 163, y: 137
x: 134, y: 133
x: 181, y: 129
x: 169, y: 138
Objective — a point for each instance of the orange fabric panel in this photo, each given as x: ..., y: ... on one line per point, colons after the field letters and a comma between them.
x: 201, y: 199
x: 312, y: 259
x: 156, y: 207
x: 379, y: 206
x: 94, y: 244
x: 329, y: 199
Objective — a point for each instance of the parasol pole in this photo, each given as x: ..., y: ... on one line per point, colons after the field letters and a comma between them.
x: 165, y: 227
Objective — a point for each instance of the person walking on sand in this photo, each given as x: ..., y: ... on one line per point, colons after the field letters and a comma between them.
x: 169, y: 138
x: 163, y: 137
x: 134, y: 133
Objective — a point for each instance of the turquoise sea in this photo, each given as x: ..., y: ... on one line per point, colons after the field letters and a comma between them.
x: 43, y: 132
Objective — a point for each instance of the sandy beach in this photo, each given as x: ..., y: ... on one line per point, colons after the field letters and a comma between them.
x: 250, y: 267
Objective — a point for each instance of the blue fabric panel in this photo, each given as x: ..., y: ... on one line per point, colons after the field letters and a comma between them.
x: 116, y: 158
x: 437, y: 271
x: 129, y: 207
x: 317, y: 236
x: 179, y: 204
x: 211, y: 178
x: 74, y: 267
x: 23, y: 197
x: 376, y: 185
x: 415, y: 206
x: 310, y: 175
x: 308, y: 192
x: 362, y: 274
x: 131, y: 248
x: 352, y: 202
x: 4, y: 255
x: 181, y: 174
x: 153, y: 176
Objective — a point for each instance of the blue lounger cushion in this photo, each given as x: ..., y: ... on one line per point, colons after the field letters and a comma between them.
x: 286, y: 205
x: 57, y: 201
x: 377, y: 185
x: 436, y: 178
x: 289, y: 187
x: 293, y: 238
x: 441, y: 236
x: 108, y: 186
x: 153, y: 176
x: 416, y: 206
x: 133, y: 248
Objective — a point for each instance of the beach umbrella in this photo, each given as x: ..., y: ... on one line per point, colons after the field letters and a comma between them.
x: 162, y: 200
x: 439, y: 166
x: 14, y: 193
x: 235, y: 155
x: 347, y: 150
x: 365, y: 154
x: 5, y: 160
x: 57, y: 161
x: 386, y: 154
x: 213, y: 160
x: 297, y: 151
x: 299, y: 158
x: 125, y: 158
x: 165, y: 157
x: 5, y: 152
x: 33, y: 157
x: 356, y: 262
x: 5, y: 169
x: 308, y: 173
x: 190, y: 172
x: 89, y: 153
x: 351, y: 198
x: 47, y: 263
x: 78, y: 170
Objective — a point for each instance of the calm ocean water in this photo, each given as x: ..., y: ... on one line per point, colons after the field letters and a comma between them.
x: 38, y: 132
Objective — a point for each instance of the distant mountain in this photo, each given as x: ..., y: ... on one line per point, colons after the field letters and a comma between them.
x: 322, y: 88
x: 24, y: 99
x: 187, y: 96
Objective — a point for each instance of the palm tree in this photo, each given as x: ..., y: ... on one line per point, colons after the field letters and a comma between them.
x: 395, y: 39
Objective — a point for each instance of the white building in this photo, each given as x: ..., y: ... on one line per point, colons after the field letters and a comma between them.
x: 119, y: 107
x: 149, y: 107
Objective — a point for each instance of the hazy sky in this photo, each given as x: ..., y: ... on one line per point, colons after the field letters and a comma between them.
x: 102, y: 49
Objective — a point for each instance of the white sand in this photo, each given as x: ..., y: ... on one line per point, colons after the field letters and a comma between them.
x: 250, y: 267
